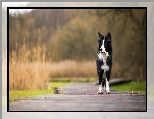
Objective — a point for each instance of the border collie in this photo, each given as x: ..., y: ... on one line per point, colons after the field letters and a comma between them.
x: 104, y: 62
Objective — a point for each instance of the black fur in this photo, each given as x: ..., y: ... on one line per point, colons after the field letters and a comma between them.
x: 99, y: 63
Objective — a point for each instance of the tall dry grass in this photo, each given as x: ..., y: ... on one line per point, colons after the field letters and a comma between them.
x: 72, y: 69
x: 29, y: 69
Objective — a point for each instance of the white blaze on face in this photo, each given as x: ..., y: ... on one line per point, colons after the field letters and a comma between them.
x: 102, y: 47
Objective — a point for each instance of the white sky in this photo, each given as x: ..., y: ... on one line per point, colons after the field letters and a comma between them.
x: 15, y: 4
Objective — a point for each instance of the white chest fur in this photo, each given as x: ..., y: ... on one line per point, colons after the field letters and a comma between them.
x: 102, y: 55
x: 105, y: 66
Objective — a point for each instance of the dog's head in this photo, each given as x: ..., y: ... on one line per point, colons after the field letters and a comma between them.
x: 104, y: 43
x: 101, y: 42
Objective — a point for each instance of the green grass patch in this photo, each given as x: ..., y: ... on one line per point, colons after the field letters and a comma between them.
x: 136, y: 87
x: 59, y: 83
x: 73, y: 80
x: 16, y: 94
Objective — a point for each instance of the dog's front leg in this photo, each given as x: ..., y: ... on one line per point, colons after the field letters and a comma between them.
x: 107, y: 82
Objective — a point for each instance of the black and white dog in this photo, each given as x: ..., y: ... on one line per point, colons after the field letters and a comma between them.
x: 104, y: 62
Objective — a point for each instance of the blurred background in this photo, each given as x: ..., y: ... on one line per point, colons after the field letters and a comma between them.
x: 62, y: 43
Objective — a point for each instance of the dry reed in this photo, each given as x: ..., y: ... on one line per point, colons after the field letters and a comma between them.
x: 29, y: 69
x: 73, y: 69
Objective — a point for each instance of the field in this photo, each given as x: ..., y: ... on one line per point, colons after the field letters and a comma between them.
x: 36, y: 75
x: 30, y: 71
x: 16, y: 94
x: 135, y: 87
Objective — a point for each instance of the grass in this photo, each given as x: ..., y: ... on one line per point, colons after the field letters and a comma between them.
x: 56, y: 82
x: 16, y: 94
x: 135, y: 87
x: 30, y: 69
x: 77, y: 79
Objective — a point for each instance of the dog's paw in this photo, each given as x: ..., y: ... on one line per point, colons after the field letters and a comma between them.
x: 108, y: 92
x: 100, y: 92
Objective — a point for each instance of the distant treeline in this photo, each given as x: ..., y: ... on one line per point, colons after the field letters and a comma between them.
x: 72, y: 35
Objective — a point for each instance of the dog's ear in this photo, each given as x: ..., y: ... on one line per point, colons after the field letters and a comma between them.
x: 100, y: 36
x: 109, y: 35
